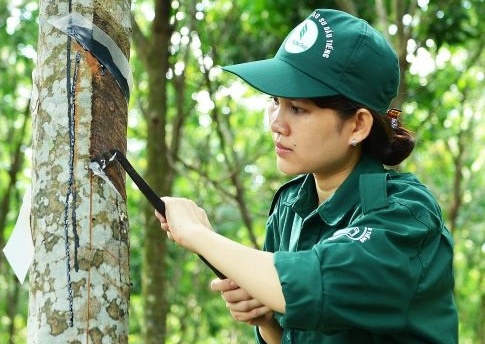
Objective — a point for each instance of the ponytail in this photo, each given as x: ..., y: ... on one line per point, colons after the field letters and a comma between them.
x: 388, y: 141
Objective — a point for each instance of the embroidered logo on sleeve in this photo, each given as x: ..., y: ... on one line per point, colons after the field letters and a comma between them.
x: 353, y: 233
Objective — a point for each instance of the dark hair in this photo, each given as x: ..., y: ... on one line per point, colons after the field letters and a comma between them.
x: 385, y: 143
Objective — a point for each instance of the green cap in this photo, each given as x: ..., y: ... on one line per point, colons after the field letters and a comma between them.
x: 330, y: 53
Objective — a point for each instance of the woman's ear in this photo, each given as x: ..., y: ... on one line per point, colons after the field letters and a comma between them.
x: 362, y: 121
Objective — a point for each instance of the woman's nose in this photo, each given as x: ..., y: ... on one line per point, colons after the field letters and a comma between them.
x: 277, y: 122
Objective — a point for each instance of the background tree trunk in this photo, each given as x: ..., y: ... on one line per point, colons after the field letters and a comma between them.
x: 153, y: 52
x: 79, y: 281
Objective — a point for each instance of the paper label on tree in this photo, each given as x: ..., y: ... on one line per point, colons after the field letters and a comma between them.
x: 19, y: 249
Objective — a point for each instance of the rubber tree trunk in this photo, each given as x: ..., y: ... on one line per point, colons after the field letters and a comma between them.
x: 79, y: 280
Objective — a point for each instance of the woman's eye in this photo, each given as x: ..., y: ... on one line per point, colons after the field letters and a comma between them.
x: 288, y: 105
x: 296, y: 110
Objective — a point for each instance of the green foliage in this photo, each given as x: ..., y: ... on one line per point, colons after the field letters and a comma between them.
x: 446, y: 111
x: 450, y: 27
x: 17, y: 33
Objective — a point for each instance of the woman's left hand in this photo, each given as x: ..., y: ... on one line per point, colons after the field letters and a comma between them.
x: 242, y: 306
x: 184, y: 221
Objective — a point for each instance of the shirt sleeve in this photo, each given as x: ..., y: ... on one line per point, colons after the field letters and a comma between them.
x: 364, y: 276
x: 301, y: 282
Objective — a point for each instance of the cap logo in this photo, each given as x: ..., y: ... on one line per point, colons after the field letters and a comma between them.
x: 302, y: 38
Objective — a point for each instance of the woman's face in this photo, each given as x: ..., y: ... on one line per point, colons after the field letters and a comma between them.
x: 310, y: 139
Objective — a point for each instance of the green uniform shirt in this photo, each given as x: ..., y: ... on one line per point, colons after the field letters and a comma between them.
x: 373, y: 264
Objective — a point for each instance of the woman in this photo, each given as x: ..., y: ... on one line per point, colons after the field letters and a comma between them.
x: 354, y: 252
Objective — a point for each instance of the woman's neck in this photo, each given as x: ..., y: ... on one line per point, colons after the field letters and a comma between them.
x: 327, y: 184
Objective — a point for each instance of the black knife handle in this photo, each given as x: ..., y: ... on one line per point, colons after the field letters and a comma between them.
x: 151, y: 196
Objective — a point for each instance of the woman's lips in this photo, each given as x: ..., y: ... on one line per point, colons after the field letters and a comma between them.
x: 282, y: 150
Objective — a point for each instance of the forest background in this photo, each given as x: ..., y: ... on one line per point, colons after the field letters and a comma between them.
x: 217, y: 149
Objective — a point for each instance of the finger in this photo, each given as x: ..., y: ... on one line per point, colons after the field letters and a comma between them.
x: 164, y: 226
x: 236, y: 295
x: 254, y: 314
x: 222, y: 285
x: 169, y: 235
x: 244, y: 305
x: 160, y: 217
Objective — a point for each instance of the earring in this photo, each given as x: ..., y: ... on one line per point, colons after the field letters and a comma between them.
x: 354, y: 142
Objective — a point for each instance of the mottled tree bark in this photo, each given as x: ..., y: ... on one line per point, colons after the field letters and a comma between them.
x: 79, y: 282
